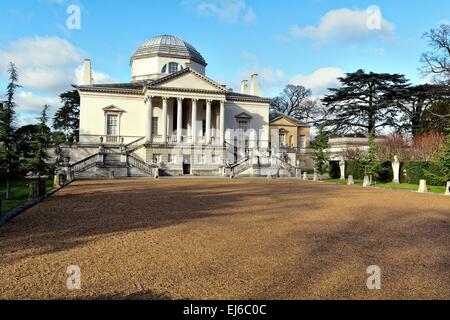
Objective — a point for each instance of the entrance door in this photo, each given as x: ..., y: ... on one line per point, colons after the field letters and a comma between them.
x: 186, y: 164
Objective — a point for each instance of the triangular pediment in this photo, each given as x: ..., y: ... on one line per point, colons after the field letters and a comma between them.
x: 187, y: 79
x: 284, y: 121
x: 113, y: 108
x: 243, y: 115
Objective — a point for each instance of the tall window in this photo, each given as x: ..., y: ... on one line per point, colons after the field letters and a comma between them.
x: 302, y: 141
x: 111, y: 125
x: 154, y: 125
x: 243, y: 125
x: 282, y: 137
x: 156, y: 158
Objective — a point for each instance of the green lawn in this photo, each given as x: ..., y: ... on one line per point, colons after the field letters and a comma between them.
x: 403, y: 186
x: 19, y: 191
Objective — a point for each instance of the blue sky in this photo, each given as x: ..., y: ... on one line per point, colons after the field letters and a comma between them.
x: 308, y: 42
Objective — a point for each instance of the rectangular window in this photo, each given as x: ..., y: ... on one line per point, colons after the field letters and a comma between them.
x: 301, y: 141
x: 282, y: 137
x: 111, y: 125
x: 155, y: 126
x: 204, y: 127
x: 243, y: 125
x: 172, y: 158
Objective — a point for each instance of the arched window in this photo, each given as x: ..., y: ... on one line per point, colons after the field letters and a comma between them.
x: 171, y: 67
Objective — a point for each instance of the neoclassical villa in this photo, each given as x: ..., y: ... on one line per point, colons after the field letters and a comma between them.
x: 172, y: 119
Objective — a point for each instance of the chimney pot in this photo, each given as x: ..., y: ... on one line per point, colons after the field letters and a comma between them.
x: 254, y: 85
x: 87, y: 73
x: 244, y: 87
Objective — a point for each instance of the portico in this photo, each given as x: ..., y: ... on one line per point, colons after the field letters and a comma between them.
x: 184, y: 120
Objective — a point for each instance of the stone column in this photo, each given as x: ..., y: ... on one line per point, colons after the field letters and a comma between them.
x: 194, y: 121
x: 208, y: 121
x: 148, y: 122
x: 396, y: 170
x: 179, y: 119
x: 222, y: 122
x: 164, y: 119
x: 342, y: 167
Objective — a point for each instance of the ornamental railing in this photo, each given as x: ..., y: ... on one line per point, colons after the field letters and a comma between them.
x: 85, y: 163
x: 141, y: 165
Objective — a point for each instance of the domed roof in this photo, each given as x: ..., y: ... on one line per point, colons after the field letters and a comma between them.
x: 168, y: 46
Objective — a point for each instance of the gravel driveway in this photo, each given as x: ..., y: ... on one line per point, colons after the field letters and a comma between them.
x: 228, y: 239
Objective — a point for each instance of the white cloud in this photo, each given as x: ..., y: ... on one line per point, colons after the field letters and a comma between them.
x: 99, y: 77
x: 345, y: 25
x: 248, y: 56
x: 229, y: 11
x: 47, y: 66
x: 271, y: 80
x: 27, y: 101
x: 319, y: 81
x: 44, y: 63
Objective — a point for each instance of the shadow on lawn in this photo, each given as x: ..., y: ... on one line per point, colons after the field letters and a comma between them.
x: 88, y: 210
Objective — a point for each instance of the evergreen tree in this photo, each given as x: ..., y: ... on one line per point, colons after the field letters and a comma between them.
x: 67, y: 118
x: 41, y: 143
x: 442, y: 162
x: 363, y: 102
x: 320, y: 157
x: 370, y: 162
x: 9, y: 160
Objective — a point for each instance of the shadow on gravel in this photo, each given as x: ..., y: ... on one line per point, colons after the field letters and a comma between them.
x: 87, y: 210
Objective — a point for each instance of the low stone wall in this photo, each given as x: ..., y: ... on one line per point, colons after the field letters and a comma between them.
x: 103, y: 172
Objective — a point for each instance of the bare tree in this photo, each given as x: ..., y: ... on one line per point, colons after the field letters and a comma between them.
x: 436, y: 62
x: 295, y: 101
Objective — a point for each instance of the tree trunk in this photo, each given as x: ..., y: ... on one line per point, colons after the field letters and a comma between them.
x: 8, y: 190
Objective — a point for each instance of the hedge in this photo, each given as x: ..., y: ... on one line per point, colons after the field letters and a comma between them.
x: 413, y: 172
x: 354, y: 168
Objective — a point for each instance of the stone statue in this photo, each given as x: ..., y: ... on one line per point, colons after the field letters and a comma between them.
x: 342, y: 167
x: 396, y: 170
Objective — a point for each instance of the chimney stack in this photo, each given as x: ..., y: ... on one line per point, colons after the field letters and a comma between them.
x: 254, y: 85
x: 87, y: 73
x: 244, y: 87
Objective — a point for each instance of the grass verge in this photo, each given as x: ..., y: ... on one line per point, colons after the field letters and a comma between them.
x: 402, y: 186
x: 19, y: 192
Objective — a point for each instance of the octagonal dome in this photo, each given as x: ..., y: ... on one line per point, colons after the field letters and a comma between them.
x: 168, y: 46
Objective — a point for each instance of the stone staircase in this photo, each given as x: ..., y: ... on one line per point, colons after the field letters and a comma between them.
x: 112, y: 162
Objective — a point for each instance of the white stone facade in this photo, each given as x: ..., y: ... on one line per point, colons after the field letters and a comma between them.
x: 172, y: 117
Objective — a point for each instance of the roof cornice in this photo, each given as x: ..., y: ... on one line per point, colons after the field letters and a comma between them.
x: 110, y: 90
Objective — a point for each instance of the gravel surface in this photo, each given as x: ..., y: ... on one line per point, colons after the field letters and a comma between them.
x: 228, y: 239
